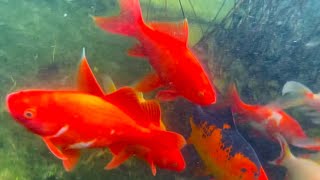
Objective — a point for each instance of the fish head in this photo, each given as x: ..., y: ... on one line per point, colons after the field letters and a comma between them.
x: 170, y: 159
x: 31, y: 109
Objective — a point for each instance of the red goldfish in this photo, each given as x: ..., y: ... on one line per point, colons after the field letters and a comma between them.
x: 69, y: 121
x: 165, y: 45
x: 271, y: 119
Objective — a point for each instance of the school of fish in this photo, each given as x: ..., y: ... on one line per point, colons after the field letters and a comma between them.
x: 128, y: 125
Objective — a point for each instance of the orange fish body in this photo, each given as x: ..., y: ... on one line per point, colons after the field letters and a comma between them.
x: 165, y: 45
x: 270, y: 120
x: 72, y: 120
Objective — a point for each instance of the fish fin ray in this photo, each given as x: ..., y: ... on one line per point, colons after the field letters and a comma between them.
x: 144, y: 113
x: 152, y: 112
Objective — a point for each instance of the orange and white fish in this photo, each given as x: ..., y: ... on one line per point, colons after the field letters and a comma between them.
x: 165, y: 45
x: 69, y: 121
x: 297, y: 94
x: 297, y: 168
x: 268, y: 120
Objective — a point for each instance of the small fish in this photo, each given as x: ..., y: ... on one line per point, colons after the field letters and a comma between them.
x: 225, y: 153
x: 165, y: 45
x: 71, y: 120
x: 298, y: 94
x: 270, y: 119
x: 297, y: 168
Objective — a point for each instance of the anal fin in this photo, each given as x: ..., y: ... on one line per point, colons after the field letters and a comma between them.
x: 72, y: 159
x: 117, y: 160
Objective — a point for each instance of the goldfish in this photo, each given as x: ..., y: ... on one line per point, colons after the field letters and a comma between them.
x: 225, y: 153
x: 297, y: 168
x: 71, y: 120
x: 164, y: 44
x: 270, y: 119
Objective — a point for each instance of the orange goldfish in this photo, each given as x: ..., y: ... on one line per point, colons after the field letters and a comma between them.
x: 270, y: 119
x: 69, y: 121
x: 165, y: 45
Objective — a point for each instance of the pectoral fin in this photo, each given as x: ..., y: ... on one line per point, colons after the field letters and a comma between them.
x: 54, y: 149
x: 152, y: 166
x: 167, y: 95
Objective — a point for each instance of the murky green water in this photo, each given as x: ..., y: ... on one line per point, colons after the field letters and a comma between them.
x: 41, y: 43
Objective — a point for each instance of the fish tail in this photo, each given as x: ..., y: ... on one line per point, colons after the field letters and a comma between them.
x: 128, y: 21
x: 312, y: 144
x: 293, y: 87
x: 285, y: 151
x: 294, y: 94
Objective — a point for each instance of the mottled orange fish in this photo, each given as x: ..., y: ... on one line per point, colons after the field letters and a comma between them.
x: 224, y: 152
x: 69, y: 121
x: 165, y: 45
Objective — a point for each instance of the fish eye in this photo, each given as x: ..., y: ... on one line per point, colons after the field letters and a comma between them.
x: 29, y: 113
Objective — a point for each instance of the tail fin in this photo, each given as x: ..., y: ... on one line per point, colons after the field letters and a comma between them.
x: 285, y: 151
x: 237, y: 104
x: 294, y: 94
x: 293, y: 87
x: 262, y: 175
x: 128, y: 21
x: 312, y: 144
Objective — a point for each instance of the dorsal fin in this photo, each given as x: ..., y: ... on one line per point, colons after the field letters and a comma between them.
x: 178, y: 30
x: 87, y: 83
x: 144, y: 113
